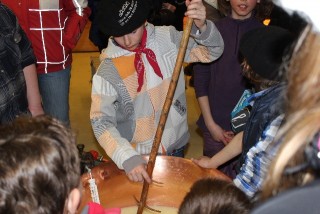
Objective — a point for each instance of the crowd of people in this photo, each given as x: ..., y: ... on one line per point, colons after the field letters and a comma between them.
x: 258, y: 88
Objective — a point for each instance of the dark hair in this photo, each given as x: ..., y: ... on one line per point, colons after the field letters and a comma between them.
x: 262, y: 9
x: 259, y: 82
x: 39, y: 165
x: 213, y: 196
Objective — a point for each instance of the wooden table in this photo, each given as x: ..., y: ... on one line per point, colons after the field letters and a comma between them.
x: 176, y: 174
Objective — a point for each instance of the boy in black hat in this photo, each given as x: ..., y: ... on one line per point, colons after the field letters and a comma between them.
x: 263, y: 50
x: 130, y: 86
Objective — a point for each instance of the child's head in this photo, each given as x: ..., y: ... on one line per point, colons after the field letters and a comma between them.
x: 131, y: 40
x: 244, y: 9
x: 263, y: 50
x: 39, y: 167
x: 215, y: 197
x: 304, y: 74
x: 298, y: 160
x: 121, y: 17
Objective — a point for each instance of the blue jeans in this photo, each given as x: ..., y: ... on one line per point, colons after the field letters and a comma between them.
x: 178, y: 152
x: 54, y: 89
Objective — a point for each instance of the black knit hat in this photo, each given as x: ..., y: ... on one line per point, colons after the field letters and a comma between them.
x: 120, y: 17
x: 264, y: 48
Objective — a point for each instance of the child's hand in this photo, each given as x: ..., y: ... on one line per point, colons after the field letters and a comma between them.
x: 217, y: 133
x: 36, y: 110
x: 197, y: 11
x: 138, y: 174
x: 228, y: 135
x: 204, y: 162
x: 169, y: 6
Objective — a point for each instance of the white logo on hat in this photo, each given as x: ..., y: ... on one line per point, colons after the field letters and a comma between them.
x: 128, y: 15
x: 124, y: 7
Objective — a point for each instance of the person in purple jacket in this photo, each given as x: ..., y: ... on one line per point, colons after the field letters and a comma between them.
x: 219, y: 85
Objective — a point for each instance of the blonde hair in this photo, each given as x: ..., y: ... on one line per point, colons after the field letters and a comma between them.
x: 303, y: 116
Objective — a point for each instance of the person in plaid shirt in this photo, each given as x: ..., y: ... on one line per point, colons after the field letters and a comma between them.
x: 19, y: 91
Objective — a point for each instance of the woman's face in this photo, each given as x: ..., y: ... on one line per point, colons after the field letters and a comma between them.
x: 242, y: 9
x: 131, y: 40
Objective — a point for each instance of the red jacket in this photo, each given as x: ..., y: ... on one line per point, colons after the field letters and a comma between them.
x: 94, y: 208
x: 53, y: 26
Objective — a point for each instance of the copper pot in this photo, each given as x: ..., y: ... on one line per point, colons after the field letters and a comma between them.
x: 176, y: 175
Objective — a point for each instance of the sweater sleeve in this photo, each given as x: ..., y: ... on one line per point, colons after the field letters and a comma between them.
x: 202, y: 47
x: 104, y: 123
x: 78, y: 15
x: 202, y: 76
x: 27, y: 54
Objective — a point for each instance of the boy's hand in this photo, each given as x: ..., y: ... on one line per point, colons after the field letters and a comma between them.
x: 197, y: 11
x: 138, y: 174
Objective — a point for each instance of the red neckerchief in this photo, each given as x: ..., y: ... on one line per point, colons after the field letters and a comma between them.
x: 151, y: 57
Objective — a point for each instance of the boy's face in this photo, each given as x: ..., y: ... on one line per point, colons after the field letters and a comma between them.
x: 242, y: 9
x: 131, y: 40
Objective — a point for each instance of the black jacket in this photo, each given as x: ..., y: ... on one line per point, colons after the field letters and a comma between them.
x: 265, y: 109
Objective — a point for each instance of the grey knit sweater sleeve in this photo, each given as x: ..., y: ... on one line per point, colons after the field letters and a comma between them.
x: 204, y: 46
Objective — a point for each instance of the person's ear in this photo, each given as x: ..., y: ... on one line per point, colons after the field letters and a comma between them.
x: 73, y: 200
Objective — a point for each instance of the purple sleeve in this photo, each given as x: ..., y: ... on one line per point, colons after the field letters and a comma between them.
x: 202, y: 76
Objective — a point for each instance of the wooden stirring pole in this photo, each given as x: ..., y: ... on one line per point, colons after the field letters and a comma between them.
x: 165, y: 111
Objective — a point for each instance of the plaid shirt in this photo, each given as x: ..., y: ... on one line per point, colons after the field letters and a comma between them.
x: 252, y: 172
x: 15, y: 54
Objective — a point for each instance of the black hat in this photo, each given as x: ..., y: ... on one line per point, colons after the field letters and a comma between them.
x: 264, y: 48
x: 120, y: 17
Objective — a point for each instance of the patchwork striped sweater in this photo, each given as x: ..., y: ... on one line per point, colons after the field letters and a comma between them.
x: 124, y: 121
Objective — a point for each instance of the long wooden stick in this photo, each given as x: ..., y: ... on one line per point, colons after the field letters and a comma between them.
x: 165, y: 111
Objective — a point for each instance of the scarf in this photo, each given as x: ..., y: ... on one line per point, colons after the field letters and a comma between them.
x: 151, y: 57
